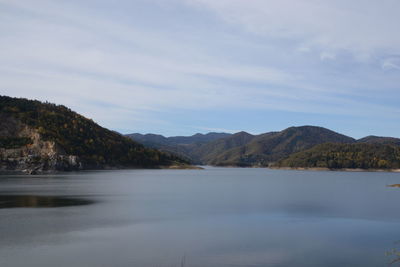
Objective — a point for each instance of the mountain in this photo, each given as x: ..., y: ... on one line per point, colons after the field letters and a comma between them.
x: 209, y: 153
x: 197, y: 138
x: 159, y: 140
x: 380, y: 140
x: 267, y: 148
x: 39, y: 137
x: 244, y: 149
x: 339, y: 156
x: 150, y: 140
x: 183, y: 146
x: 273, y: 148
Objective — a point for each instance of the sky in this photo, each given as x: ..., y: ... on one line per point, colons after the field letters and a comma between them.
x: 178, y: 67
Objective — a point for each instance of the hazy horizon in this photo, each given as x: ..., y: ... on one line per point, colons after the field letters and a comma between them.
x: 181, y: 67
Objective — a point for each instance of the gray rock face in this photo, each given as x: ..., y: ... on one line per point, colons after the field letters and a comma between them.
x: 39, y: 156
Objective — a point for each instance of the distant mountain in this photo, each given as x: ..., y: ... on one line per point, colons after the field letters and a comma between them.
x: 150, y: 140
x: 183, y: 146
x: 284, y: 148
x: 209, y: 153
x: 379, y: 140
x: 38, y: 137
x: 197, y: 138
x: 339, y: 156
x: 154, y: 139
x: 244, y: 149
x: 261, y: 150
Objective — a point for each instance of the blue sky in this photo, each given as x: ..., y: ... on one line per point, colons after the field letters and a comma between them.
x: 177, y: 67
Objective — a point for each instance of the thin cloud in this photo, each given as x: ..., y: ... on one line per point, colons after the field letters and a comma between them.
x: 230, y: 55
x: 391, y: 63
x: 327, y: 56
x: 359, y: 26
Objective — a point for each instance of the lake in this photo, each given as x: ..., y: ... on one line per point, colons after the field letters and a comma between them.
x: 202, y: 218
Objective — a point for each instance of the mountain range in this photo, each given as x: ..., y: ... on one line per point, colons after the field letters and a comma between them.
x: 38, y: 137
x: 247, y: 150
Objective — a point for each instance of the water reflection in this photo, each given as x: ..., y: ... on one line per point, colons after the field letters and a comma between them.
x: 31, y: 201
x: 213, y: 218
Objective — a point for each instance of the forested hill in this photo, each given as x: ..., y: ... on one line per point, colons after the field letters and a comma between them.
x: 247, y: 150
x: 380, y: 140
x: 45, y: 136
x: 244, y: 149
x: 159, y: 140
x: 264, y: 149
x: 340, y: 156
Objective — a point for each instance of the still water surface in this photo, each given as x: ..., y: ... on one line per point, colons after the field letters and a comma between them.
x: 202, y: 218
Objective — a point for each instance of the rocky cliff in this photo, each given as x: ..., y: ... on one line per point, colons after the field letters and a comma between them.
x: 25, y: 150
x: 38, y: 137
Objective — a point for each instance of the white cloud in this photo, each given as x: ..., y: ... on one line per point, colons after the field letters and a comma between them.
x: 362, y: 27
x: 81, y: 60
x: 391, y: 63
x: 327, y: 56
x: 118, y: 73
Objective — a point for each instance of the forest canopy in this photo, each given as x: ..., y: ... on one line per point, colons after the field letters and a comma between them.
x: 338, y: 156
x: 79, y: 136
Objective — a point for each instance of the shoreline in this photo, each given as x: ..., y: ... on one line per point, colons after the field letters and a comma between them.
x: 30, y: 172
x: 330, y: 169
x: 181, y: 167
x: 195, y: 167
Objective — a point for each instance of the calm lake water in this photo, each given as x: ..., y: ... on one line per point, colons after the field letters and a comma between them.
x: 205, y: 218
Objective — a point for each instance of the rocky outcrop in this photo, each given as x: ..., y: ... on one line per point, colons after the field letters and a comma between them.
x: 35, y: 156
x: 40, y: 137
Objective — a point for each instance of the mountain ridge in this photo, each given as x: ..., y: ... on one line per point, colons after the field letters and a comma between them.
x: 195, y: 138
x: 247, y: 150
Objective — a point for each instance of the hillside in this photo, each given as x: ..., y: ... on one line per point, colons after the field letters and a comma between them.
x: 247, y: 150
x: 183, y: 146
x: 339, y: 156
x: 244, y: 149
x: 36, y: 137
x: 270, y: 147
x: 209, y: 152
x: 149, y: 140
x: 159, y: 140
x: 379, y: 140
